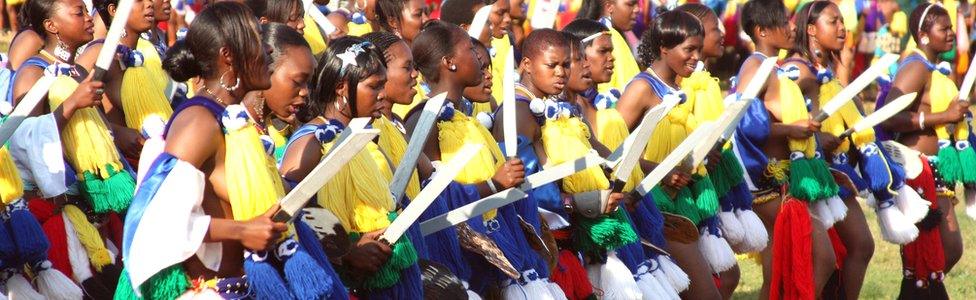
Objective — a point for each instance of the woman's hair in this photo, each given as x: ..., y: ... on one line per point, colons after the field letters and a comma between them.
x: 575, y: 45
x: 102, y: 7
x: 764, y: 14
x: 35, y: 12
x: 276, y: 10
x: 807, y: 15
x: 917, y: 25
x: 590, y: 10
x: 698, y: 10
x: 333, y: 70
x: 281, y: 37
x: 459, y: 12
x: 388, y: 11
x: 540, y: 40
x: 668, y: 30
x: 479, y: 45
x: 583, y: 28
x: 383, y: 40
x: 222, y: 24
x: 437, y: 40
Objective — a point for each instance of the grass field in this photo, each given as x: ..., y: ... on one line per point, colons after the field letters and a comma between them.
x: 883, y: 278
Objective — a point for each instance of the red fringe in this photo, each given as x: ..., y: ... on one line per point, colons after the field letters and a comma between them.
x: 840, y: 250
x: 571, y: 277
x: 53, y: 225
x: 925, y: 255
x: 114, y: 229
x: 792, y: 253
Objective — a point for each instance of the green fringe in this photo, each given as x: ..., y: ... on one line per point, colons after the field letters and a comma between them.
x: 706, y: 200
x: 604, y: 233
x: 804, y: 183
x: 404, y: 256
x: 949, y: 165
x: 662, y: 200
x: 111, y: 194
x: 967, y: 161
x: 727, y: 174
x: 828, y: 185
x: 169, y: 283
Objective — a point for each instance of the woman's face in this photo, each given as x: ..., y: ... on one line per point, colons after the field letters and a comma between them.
x: 549, y: 71
x: 412, y: 18
x: 296, y: 19
x: 143, y: 16
x: 499, y: 19
x: 72, y: 22
x: 161, y: 9
x: 258, y: 69
x: 828, y: 29
x: 623, y: 14
x: 289, y: 82
x: 467, y: 62
x: 481, y: 93
x: 940, y: 35
x: 599, y: 56
x: 369, y: 102
x: 579, y: 75
x: 401, y: 75
x: 713, y: 37
x: 684, y: 57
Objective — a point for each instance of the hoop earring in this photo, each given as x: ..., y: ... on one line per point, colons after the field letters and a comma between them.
x: 61, y: 50
x: 237, y: 82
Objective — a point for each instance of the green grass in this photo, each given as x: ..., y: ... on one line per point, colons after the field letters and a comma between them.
x: 883, y: 279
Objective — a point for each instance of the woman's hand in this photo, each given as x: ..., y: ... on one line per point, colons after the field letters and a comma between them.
x: 803, y: 129
x: 260, y: 232
x: 367, y: 256
x: 129, y: 141
x: 510, y: 174
x: 613, y: 201
x: 677, y: 179
x: 828, y: 141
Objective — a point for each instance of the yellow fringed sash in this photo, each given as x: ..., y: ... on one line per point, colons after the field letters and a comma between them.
x: 704, y: 96
x: 86, y: 139
x: 392, y: 142
x: 313, y: 35
x: 670, y: 132
x: 845, y: 117
x: 462, y: 130
x: 566, y: 139
x: 153, y: 61
x: 625, y: 67
x: 142, y: 89
x: 11, y: 187
x: 792, y: 109
x: 611, y: 131
x: 942, y: 91
x: 253, y: 181
x: 359, y: 194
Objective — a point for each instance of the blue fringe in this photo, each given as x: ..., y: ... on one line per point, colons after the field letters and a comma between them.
x: 409, y: 287
x: 310, y: 242
x: 648, y: 221
x: 31, y: 242
x: 742, y: 196
x: 443, y: 246
x: 875, y: 165
x: 264, y: 280
x: 305, y: 277
x: 859, y: 183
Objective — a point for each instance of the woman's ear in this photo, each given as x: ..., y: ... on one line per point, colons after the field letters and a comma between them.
x: 341, y: 90
x: 50, y: 27
x: 227, y: 58
x: 447, y: 62
x: 263, y: 20
x: 812, y: 30
x: 111, y: 9
x: 524, y: 65
x: 663, y: 51
x: 608, y: 6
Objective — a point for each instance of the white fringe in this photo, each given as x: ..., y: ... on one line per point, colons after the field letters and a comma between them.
x: 895, y: 227
x: 471, y: 294
x: 55, y: 285
x: 837, y: 208
x: 679, y: 280
x: 649, y: 287
x: 532, y: 289
x: 911, y: 204
x: 614, y: 279
x: 732, y: 227
x: 654, y: 269
x: 19, y: 288
x: 717, y: 252
x: 557, y: 292
x: 77, y: 255
x: 823, y: 213
x: 756, y: 236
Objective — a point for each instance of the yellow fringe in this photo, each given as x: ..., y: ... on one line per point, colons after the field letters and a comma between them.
x: 86, y: 139
x: 941, y: 93
x: 393, y: 143
x: 670, y: 132
x: 314, y: 36
x: 142, y: 96
x: 566, y: 139
x: 153, y: 61
x: 11, y: 187
x: 462, y: 130
x: 359, y: 29
x: 625, y: 67
x: 253, y: 182
x: 611, y: 131
x: 793, y: 108
x: 778, y: 170
x: 704, y: 95
x: 502, y: 47
x: 359, y: 194
x: 899, y: 23
x: 847, y: 116
x: 89, y: 237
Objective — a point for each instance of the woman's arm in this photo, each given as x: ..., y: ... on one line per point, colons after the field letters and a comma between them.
x: 300, y: 158
x: 634, y: 102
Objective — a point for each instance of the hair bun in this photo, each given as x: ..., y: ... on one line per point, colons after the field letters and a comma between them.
x: 180, y: 63
x: 661, y: 9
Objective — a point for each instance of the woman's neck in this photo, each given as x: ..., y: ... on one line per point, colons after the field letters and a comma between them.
x: 333, y: 114
x: 930, y: 54
x: 526, y: 82
x: 131, y: 38
x: 455, y: 91
x: 256, y: 106
x: 212, y: 88
x: 664, y: 73
x: 767, y: 49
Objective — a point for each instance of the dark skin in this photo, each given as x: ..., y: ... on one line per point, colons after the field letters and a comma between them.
x: 24, y: 45
x: 369, y: 254
x: 68, y: 20
x: 827, y: 34
x: 769, y: 42
x: 195, y: 136
x: 482, y: 93
x: 622, y: 13
x: 458, y: 71
x: 401, y: 78
x: 915, y: 77
x: 295, y: 20
x: 142, y: 19
x: 290, y: 75
x: 544, y: 75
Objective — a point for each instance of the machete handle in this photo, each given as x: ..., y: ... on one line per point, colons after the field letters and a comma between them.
x: 281, y: 216
x: 847, y: 133
x: 821, y: 117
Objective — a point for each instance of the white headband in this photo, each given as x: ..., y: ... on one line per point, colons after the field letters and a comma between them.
x: 925, y: 13
x: 593, y: 36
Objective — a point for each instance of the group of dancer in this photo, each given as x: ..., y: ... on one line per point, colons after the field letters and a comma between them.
x: 159, y: 177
